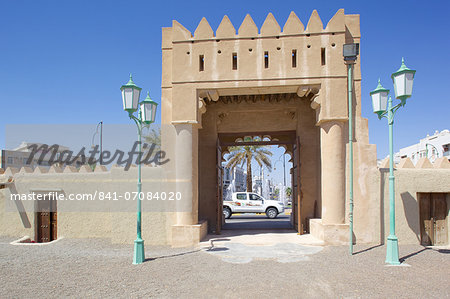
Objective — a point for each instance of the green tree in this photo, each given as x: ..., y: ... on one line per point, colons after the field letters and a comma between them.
x: 288, y: 192
x: 240, y: 155
x: 153, y: 137
x: 276, y: 194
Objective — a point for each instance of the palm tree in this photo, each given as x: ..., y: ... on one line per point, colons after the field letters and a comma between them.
x: 153, y: 139
x: 245, y: 154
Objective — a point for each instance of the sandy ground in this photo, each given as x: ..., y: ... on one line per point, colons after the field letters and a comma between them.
x: 95, y: 268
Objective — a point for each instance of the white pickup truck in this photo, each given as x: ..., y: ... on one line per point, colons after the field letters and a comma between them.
x: 248, y: 202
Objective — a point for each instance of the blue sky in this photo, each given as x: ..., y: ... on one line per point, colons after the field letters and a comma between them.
x: 64, y: 61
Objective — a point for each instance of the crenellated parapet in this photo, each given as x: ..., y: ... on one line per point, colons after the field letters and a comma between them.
x: 423, y: 163
x: 57, y: 171
x: 269, y: 28
x: 292, y: 55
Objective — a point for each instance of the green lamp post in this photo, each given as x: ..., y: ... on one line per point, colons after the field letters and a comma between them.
x: 145, y: 116
x: 403, y: 83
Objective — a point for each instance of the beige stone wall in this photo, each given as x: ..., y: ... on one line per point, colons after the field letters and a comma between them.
x: 409, y: 181
x: 104, y: 221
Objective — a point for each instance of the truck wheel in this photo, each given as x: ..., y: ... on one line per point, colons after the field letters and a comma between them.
x: 272, y: 213
x: 226, y: 213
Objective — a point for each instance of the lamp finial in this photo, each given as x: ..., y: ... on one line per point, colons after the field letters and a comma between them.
x: 130, y: 82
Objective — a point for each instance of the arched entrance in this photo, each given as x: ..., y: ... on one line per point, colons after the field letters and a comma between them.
x: 285, y: 139
x: 282, y: 119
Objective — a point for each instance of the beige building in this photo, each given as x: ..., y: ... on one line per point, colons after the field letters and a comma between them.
x: 288, y: 87
x: 20, y: 156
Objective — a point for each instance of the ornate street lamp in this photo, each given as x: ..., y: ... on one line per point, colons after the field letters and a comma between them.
x: 403, y: 83
x: 145, y: 116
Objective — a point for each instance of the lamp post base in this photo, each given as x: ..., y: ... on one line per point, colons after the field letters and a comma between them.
x: 139, y: 253
x: 392, y: 250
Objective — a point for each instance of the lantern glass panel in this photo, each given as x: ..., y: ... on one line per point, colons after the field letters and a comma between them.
x: 409, y: 79
x: 146, y: 112
x: 154, y: 112
x: 127, y: 97
x: 379, y: 101
x: 136, y: 95
x: 399, y: 85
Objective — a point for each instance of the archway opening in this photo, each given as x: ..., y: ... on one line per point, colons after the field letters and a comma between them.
x: 285, y: 121
x: 256, y: 182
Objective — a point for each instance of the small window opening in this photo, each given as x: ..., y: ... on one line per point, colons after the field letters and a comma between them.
x: 266, y: 59
x: 234, y: 57
x: 201, y: 63
x: 323, y: 56
x: 294, y: 58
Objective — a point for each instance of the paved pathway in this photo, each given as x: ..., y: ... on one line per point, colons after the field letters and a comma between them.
x: 95, y: 268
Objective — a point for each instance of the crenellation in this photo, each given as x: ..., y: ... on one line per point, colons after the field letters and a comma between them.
x: 55, y: 169
x: 85, y: 169
x: 406, y: 163
x: 40, y: 170
x: 70, y: 169
x: 25, y: 169
x: 337, y: 22
x: 424, y: 163
x: 248, y: 28
x: 179, y: 32
x: 441, y: 162
x: 293, y: 25
x: 270, y: 26
x: 11, y: 171
x: 100, y: 168
x: 226, y: 29
x: 384, y: 163
x: 203, y: 31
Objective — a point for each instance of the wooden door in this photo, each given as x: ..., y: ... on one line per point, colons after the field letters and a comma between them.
x: 44, y: 227
x: 296, y: 194
x: 433, y: 218
x: 426, y: 227
x: 219, y: 192
x: 439, y: 218
x: 46, y: 221
x: 53, y: 226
